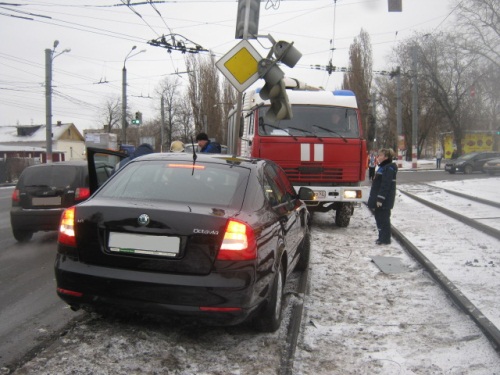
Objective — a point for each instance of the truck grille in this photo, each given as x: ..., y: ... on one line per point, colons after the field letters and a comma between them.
x: 321, y: 174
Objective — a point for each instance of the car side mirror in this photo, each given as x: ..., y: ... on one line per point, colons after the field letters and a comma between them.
x: 306, y: 194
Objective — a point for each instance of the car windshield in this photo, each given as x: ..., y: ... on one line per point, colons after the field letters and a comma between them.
x: 468, y: 156
x: 58, y: 176
x: 312, y: 121
x: 208, y: 183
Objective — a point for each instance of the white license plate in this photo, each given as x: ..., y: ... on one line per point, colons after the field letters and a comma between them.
x: 320, y: 194
x: 131, y: 243
x: 48, y: 201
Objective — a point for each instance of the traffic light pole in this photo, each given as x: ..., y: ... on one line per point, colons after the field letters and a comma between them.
x: 239, y: 99
x: 124, y: 104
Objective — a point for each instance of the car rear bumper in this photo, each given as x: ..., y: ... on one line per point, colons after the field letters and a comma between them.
x: 158, y: 293
x: 35, y: 220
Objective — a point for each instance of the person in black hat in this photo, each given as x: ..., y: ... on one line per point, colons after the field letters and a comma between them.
x: 206, y: 146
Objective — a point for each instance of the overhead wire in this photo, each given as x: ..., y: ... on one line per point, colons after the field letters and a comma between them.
x: 128, y: 4
x: 165, y: 23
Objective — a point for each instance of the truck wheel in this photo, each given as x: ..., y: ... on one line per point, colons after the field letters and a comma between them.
x: 343, y: 215
x: 468, y: 169
x: 270, y: 318
x: 305, y: 251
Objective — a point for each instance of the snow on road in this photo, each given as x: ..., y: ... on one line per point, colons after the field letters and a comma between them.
x: 357, y: 319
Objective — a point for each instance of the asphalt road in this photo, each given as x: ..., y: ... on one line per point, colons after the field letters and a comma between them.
x: 31, y: 312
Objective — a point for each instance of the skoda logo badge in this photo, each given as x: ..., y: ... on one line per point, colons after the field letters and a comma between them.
x: 143, y: 220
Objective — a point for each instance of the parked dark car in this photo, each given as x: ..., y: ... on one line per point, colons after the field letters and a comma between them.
x: 43, y: 191
x: 492, y: 166
x: 210, y: 236
x: 472, y: 162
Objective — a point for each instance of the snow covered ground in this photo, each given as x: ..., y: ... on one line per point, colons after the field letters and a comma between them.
x: 357, y: 319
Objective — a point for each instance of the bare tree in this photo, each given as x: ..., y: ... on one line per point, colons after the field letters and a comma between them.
x: 111, y: 114
x: 479, y: 28
x: 204, y: 91
x: 186, y: 130
x: 449, y: 74
x: 168, y: 91
x: 479, y: 22
x: 359, y: 76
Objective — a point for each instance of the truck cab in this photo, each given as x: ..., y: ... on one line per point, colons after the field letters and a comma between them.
x: 320, y: 147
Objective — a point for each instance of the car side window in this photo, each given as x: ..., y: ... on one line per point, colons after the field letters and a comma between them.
x: 285, y: 182
x: 274, y: 192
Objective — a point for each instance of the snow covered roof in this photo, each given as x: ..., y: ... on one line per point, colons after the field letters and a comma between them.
x: 32, y: 133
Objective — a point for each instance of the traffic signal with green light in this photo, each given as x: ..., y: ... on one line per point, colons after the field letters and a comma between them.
x: 138, y: 119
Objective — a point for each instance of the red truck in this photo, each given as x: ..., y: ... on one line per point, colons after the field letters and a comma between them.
x: 320, y: 147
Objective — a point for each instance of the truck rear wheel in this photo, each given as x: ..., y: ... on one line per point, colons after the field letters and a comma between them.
x: 343, y: 215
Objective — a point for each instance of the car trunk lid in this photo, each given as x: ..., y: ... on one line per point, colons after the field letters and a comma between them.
x: 150, y: 236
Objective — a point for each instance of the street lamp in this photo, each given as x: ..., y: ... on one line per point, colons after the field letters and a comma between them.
x: 124, y: 93
x: 49, y: 57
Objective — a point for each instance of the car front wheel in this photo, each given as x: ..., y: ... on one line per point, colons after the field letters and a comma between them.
x: 270, y: 318
x: 305, y: 252
x: 22, y: 235
x: 468, y: 169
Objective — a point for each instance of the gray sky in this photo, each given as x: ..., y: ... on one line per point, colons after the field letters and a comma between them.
x: 100, y: 34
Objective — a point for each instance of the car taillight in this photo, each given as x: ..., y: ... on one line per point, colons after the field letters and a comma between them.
x: 15, y: 195
x: 82, y: 193
x: 67, y: 228
x: 238, y: 243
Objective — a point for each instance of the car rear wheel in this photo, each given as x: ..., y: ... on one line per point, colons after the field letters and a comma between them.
x: 270, y: 318
x: 468, y: 169
x: 22, y: 235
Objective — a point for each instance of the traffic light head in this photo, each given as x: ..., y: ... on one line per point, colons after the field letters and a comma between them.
x: 286, y: 53
x: 280, y: 108
x: 138, y: 118
x: 275, y: 91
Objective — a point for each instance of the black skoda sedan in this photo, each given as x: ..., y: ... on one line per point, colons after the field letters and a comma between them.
x: 213, y: 237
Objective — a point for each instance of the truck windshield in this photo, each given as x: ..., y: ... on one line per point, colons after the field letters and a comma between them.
x: 312, y: 121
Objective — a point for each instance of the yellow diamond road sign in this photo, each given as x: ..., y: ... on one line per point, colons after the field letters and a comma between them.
x: 240, y: 65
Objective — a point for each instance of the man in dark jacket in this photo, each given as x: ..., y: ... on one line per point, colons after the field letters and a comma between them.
x: 383, y: 194
x: 206, y: 145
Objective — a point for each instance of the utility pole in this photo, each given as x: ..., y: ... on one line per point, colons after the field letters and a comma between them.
x: 162, y: 126
x: 48, y: 105
x: 124, y: 104
x: 49, y: 57
x: 399, y: 116
x: 374, y: 117
x: 124, y: 94
x: 414, y: 117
